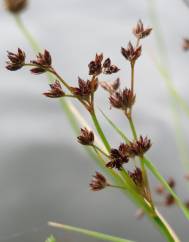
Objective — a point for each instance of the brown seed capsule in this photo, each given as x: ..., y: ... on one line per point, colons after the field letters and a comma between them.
x: 138, y: 147
x: 16, y: 61
x: 86, y: 137
x: 118, y: 157
x: 108, y: 68
x: 140, y: 32
x: 15, y: 6
x: 123, y: 99
x: 95, y: 67
x: 85, y: 88
x: 160, y: 189
x: 130, y: 53
x: 56, y: 90
x: 110, y: 87
x: 171, y: 182
x: 98, y: 182
x: 43, y: 63
x: 185, y: 44
x: 169, y: 200
x: 136, y: 176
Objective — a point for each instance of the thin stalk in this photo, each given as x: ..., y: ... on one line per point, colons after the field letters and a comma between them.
x: 162, y: 66
x: 36, y: 48
x: 100, y: 132
x: 100, y: 150
x: 87, y: 232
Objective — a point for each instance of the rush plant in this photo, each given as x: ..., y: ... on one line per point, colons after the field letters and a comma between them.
x: 133, y: 182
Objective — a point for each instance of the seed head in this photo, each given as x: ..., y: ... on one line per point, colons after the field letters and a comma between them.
x: 130, y: 53
x: 95, y: 66
x: 86, y: 137
x: 123, y: 99
x: 171, y: 182
x: 169, y: 200
x: 136, y: 176
x: 15, y: 6
x: 98, y: 182
x: 185, y: 44
x: 118, y: 157
x: 139, y: 147
x: 56, y: 90
x: 110, y: 87
x: 43, y: 62
x: 140, y: 32
x: 16, y: 61
x: 85, y: 88
x: 108, y: 68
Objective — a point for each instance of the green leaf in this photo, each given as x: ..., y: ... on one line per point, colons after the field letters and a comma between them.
x: 50, y: 239
x: 90, y: 233
x: 114, y: 126
x: 156, y: 173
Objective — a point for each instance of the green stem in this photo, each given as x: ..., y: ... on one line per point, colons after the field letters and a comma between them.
x: 100, y: 150
x: 36, y: 48
x: 87, y: 232
x: 100, y: 132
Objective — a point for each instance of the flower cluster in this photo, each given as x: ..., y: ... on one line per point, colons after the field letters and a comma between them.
x: 15, y: 6
x: 42, y: 63
x: 136, y: 176
x: 131, y: 53
x: 120, y: 156
x: 123, y: 99
x: 98, y: 182
x: 56, y: 90
x: 185, y: 44
x: 111, y: 87
x: 85, y: 88
x: 97, y: 66
x: 140, y: 32
x: 86, y: 137
x: 16, y: 61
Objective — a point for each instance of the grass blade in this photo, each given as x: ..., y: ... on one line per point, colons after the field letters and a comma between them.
x: 115, y: 127
x: 50, y: 239
x: 90, y: 233
x: 156, y: 173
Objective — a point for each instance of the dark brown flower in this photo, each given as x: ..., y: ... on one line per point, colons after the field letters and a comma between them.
x: 108, y: 68
x: 85, y: 88
x: 138, y: 147
x: 169, y: 200
x: 110, y: 87
x: 140, y: 32
x: 42, y: 63
x: 56, y: 90
x: 123, y: 99
x: 15, y: 6
x: 159, y: 189
x: 171, y: 182
x: 185, y: 44
x: 95, y: 67
x: 136, y: 176
x: 118, y: 157
x: 86, y: 137
x: 98, y: 182
x: 16, y: 61
x: 130, y: 53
